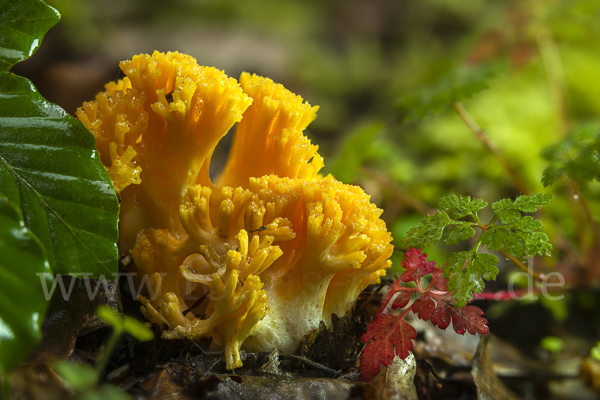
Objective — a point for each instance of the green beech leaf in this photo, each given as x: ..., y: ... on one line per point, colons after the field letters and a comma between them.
x: 22, y: 302
x: 84, y: 379
x: 22, y: 27
x: 49, y: 167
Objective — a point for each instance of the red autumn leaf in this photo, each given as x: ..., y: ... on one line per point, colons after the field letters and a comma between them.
x: 416, y: 266
x: 386, y: 335
x: 394, y: 288
x: 423, y: 307
x: 390, y: 334
x: 374, y: 354
x: 441, y: 283
x: 401, y: 300
x: 378, y: 327
x: 402, y: 336
x: 468, y: 318
x: 441, y: 317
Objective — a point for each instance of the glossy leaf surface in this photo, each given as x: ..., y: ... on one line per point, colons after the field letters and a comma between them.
x: 22, y: 302
x: 49, y: 168
x: 22, y: 26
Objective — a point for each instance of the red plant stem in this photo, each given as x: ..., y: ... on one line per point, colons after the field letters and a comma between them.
x: 504, y: 295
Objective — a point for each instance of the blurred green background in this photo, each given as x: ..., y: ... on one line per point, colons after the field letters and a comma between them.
x: 388, y: 76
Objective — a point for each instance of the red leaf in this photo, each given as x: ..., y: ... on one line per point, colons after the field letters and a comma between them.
x: 378, y: 327
x: 389, y: 334
x: 416, y: 265
x: 468, y: 318
x: 402, y: 336
x: 374, y: 354
x: 423, y: 307
x: 394, y: 288
x: 439, y: 281
x: 401, y: 300
x: 441, y: 317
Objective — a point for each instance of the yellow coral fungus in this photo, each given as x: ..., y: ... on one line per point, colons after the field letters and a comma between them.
x: 165, y: 119
x: 258, y: 258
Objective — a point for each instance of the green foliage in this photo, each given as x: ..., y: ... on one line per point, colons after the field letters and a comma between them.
x: 79, y: 376
x: 49, y: 166
x: 460, y: 84
x: 23, y: 24
x: 123, y: 323
x: 22, y: 302
x: 83, y: 379
x: 58, y: 211
x: 577, y: 156
x: 354, y: 152
x: 553, y: 344
x: 428, y: 232
x: 516, y: 235
x: 595, y: 352
x: 466, y: 270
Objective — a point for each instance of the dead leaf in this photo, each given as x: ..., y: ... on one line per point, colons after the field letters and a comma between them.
x: 397, y: 380
x: 489, y: 386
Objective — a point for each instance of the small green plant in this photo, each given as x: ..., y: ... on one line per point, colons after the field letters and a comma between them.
x: 509, y: 231
x: 444, y: 298
x: 553, y: 344
x: 84, y: 379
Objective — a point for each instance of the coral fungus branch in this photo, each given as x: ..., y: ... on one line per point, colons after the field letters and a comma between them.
x: 257, y: 258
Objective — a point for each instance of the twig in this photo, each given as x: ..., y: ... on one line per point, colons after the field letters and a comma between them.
x: 514, y: 176
x: 586, y: 208
x: 431, y: 368
x: 313, y: 364
x: 526, y: 269
x: 196, y: 303
x: 399, y: 193
x: 591, y: 219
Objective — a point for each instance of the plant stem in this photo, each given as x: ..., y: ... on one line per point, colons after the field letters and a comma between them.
x: 514, y: 176
x: 108, y: 349
x: 523, y: 267
x: 586, y: 209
